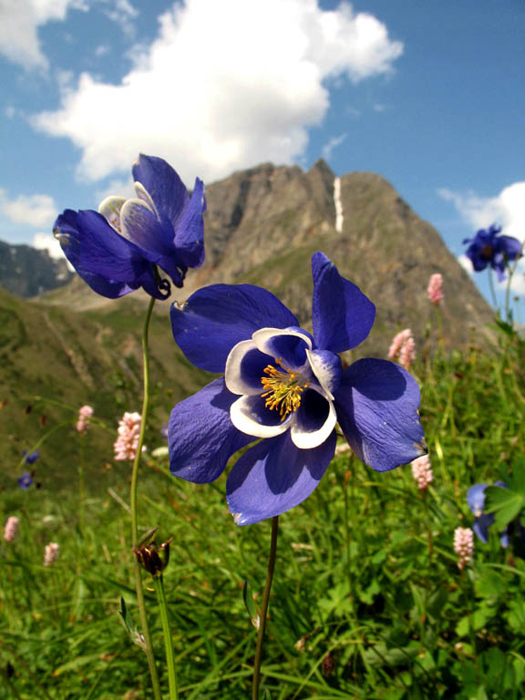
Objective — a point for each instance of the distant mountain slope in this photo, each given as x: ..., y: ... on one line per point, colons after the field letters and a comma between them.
x: 70, y: 359
x: 26, y: 271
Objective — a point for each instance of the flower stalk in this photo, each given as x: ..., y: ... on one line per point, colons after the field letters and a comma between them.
x: 264, y: 610
x: 158, y: 582
x: 134, y: 516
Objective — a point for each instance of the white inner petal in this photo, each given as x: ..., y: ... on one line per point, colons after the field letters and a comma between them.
x: 264, y: 337
x: 322, y: 370
x: 110, y: 210
x: 143, y: 194
x: 246, y: 419
x: 232, y: 373
x: 308, y: 439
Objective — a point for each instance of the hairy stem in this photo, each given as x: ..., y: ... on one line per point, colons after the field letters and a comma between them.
x: 168, y: 642
x: 134, y: 520
x: 264, y: 610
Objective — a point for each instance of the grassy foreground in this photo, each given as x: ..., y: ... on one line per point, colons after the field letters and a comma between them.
x: 368, y: 600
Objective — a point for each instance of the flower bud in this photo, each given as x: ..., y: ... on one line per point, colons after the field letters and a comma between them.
x: 152, y: 558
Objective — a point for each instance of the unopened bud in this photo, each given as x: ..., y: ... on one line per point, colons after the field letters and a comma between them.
x: 152, y: 558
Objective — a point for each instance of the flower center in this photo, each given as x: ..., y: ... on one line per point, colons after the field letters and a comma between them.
x: 283, y: 389
x: 486, y: 252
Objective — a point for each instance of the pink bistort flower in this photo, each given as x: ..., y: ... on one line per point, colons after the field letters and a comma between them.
x: 51, y: 555
x: 422, y: 472
x: 128, y: 436
x: 397, y: 343
x: 435, y: 288
x: 84, y: 417
x: 11, y: 528
x: 464, y: 545
x: 407, y: 354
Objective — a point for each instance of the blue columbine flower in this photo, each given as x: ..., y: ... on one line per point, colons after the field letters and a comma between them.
x: 30, y: 458
x: 289, y: 388
x: 482, y: 521
x: 488, y: 248
x: 116, y: 250
x: 25, y: 480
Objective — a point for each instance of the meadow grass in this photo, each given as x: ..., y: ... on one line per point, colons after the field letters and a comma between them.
x: 367, y: 600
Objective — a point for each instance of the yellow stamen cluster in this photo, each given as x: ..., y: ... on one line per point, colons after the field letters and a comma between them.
x: 283, y: 389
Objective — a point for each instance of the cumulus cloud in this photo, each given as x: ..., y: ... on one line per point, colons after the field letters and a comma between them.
x: 44, y: 241
x: 507, y: 209
x: 35, y: 209
x: 225, y: 85
x: 20, y: 21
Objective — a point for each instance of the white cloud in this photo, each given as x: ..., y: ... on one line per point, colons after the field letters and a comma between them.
x: 35, y: 209
x: 465, y: 263
x: 43, y: 241
x: 224, y: 86
x: 506, y: 209
x: 332, y: 144
x: 20, y: 21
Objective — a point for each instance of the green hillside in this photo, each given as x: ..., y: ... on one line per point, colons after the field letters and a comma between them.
x: 70, y: 358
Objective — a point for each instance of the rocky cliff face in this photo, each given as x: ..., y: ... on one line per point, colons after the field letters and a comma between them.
x: 263, y: 224
x: 26, y: 271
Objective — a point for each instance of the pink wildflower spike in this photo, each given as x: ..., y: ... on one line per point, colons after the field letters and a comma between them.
x: 435, y: 288
x: 464, y: 545
x: 51, y: 555
x: 11, y: 528
x: 84, y: 417
x: 128, y: 436
x: 407, y: 354
x: 397, y: 343
x: 422, y: 472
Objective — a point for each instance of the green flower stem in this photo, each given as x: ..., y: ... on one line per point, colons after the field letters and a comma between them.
x: 168, y: 642
x: 493, y: 292
x: 134, y: 521
x: 264, y: 610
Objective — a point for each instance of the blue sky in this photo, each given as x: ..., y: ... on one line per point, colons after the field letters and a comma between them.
x: 429, y: 95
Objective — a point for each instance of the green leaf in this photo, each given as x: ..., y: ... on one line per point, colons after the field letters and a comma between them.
x: 504, y: 503
x: 250, y: 606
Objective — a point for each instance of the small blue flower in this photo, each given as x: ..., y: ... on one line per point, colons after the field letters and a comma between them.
x: 116, y: 250
x: 483, y: 521
x: 289, y: 388
x: 488, y: 248
x: 25, y: 480
x: 30, y: 458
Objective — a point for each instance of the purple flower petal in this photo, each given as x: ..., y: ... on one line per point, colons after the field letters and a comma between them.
x: 476, y: 498
x: 162, y: 183
x: 377, y: 408
x: 111, y: 265
x: 273, y: 477
x: 289, y: 345
x: 216, y: 318
x: 153, y: 237
x: 481, y: 526
x: 189, y: 230
x: 342, y: 315
x: 201, y: 436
